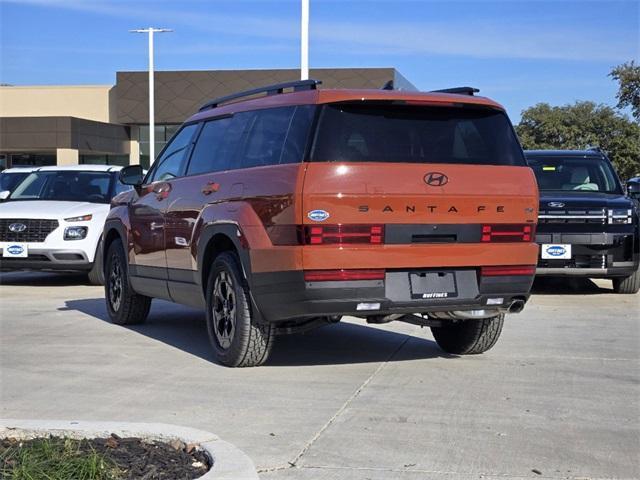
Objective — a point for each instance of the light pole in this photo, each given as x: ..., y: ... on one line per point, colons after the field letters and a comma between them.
x: 152, y: 122
x: 304, y: 41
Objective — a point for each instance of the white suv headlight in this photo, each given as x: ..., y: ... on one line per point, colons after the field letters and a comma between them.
x: 75, y: 233
x: 618, y: 216
x: 82, y: 218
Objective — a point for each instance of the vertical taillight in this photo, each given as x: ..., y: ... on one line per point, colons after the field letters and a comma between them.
x: 341, y: 234
x: 508, y: 233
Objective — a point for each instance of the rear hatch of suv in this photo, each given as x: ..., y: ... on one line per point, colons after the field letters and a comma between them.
x: 394, y: 185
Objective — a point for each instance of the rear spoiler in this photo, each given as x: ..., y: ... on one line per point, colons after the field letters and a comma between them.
x: 458, y: 90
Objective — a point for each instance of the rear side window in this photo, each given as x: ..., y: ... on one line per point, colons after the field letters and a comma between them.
x: 411, y: 134
x: 298, y: 135
x: 266, y: 136
x: 277, y: 136
x: 252, y: 139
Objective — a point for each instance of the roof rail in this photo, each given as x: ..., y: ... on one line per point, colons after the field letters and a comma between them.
x: 297, y: 86
x: 458, y: 90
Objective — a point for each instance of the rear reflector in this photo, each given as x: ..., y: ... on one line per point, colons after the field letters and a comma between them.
x: 342, y: 275
x: 508, y: 270
x: 341, y: 234
x: 507, y: 233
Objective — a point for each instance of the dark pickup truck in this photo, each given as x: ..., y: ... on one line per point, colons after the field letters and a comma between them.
x: 587, y: 224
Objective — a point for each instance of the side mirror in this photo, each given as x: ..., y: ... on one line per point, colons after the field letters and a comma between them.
x: 132, y: 175
x: 4, y: 195
x: 633, y: 188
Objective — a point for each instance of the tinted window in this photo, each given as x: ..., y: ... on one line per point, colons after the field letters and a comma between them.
x: 298, y: 135
x: 209, y: 153
x: 69, y: 185
x: 408, y: 134
x: 171, y: 162
x: 266, y: 137
x: 574, y: 174
x: 250, y: 139
x: 9, y: 181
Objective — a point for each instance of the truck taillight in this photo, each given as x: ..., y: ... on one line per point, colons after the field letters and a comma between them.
x: 508, y: 270
x: 342, y: 275
x: 341, y: 234
x: 508, y: 233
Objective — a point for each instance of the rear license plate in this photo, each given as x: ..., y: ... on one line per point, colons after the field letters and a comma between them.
x: 433, y: 285
x: 555, y: 251
x: 15, y: 250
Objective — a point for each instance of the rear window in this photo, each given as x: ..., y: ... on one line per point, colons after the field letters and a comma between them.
x: 410, y: 134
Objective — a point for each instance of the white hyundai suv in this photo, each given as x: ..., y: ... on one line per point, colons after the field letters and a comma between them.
x: 53, y: 219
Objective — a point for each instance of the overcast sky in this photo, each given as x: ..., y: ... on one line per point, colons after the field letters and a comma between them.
x: 518, y: 53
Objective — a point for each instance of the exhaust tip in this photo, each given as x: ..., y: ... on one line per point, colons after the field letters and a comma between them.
x: 516, y: 306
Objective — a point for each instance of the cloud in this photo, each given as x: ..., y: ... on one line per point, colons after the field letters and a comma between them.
x: 466, y: 38
x: 480, y: 40
x: 239, y: 25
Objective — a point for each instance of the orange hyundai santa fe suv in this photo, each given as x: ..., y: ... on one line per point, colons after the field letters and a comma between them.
x: 284, y: 208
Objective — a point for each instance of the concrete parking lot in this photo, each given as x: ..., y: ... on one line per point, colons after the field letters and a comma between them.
x: 558, y: 397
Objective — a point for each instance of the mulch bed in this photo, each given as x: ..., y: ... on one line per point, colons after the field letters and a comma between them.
x: 139, y: 459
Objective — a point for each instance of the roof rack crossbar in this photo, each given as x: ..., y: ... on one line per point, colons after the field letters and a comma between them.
x: 458, y: 90
x: 276, y: 89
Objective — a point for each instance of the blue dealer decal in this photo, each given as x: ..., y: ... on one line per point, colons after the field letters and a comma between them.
x: 556, y: 251
x: 318, y: 215
x: 15, y: 249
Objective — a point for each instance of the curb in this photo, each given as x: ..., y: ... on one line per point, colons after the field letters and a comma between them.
x: 229, y: 462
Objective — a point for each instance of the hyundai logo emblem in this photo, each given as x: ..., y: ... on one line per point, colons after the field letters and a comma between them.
x: 556, y: 204
x: 436, y: 179
x: 17, y: 227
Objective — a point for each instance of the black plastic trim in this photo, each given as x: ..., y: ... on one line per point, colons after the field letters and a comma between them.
x: 286, y: 296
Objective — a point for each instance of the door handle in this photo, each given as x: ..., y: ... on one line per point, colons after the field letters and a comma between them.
x: 210, y: 187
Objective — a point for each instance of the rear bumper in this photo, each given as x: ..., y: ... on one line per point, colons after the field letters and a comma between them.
x: 48, y: 259
x: 285, y: 295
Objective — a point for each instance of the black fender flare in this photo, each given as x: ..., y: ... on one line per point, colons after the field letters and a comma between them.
x: 233, y: 232
x: 114, y: 226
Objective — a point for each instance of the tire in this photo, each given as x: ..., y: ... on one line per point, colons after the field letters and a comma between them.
x: 630, y: 284
x: 96, y: 274
x: 237, y: 339
x: 469, y: 337
x: 125, y: 307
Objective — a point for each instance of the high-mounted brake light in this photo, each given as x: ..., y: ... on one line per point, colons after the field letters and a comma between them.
x: 342, y: 275
x: 499, y: 271
x: 340, y: 234
x: 507, y: 233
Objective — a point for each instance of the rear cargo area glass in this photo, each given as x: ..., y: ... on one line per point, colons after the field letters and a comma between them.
x: 415, y: 134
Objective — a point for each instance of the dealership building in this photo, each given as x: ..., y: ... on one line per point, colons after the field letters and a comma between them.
x: 109, y: 124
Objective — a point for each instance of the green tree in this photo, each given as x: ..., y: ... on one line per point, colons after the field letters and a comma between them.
x: 628, y: 77
x: 583, y: 125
